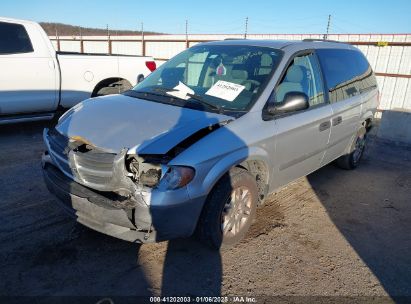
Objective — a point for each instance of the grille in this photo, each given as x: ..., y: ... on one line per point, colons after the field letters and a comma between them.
x: 94, y: 168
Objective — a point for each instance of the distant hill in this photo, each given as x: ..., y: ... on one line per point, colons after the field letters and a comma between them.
x: 72, y: 30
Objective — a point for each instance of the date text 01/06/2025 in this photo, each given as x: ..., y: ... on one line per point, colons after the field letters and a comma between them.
x: 203, y: 299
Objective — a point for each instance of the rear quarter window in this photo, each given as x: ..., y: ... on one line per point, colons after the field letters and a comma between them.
x: 367, y: 80
x: 14, y: 39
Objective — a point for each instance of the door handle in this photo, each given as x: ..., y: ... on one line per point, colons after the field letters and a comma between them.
x: 337, y: 120
x: 324, y: 125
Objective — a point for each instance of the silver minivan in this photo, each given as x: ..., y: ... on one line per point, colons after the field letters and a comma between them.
x: 200, y: 143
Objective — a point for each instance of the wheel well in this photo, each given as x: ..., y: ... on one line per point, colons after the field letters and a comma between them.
x: 107, y: 82
x: 260, y: 172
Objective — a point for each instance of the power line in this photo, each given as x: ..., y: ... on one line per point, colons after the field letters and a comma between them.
x: 338, y: 28
x: 354, y: 25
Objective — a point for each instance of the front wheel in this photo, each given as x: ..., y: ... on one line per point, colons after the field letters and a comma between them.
x: 351, y: 161
x: 229, y: 210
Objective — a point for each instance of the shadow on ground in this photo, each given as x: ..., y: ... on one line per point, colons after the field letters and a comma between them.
x: 44, y: 252
x: 374, y: 215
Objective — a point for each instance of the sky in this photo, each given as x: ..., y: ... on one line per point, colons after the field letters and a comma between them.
x: 221, y: 16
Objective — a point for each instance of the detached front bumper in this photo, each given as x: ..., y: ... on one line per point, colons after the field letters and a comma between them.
x: 162, y: 220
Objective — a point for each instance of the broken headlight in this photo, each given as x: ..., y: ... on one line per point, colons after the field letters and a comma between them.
x: 176, y: 177
x: 150, y: 178
x: 147, y: 174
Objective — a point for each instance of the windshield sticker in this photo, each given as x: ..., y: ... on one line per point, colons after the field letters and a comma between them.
x: 181, y: 91
x: 225, y: 90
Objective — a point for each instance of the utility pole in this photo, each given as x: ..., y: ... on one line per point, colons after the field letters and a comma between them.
x: 108, y: 40
x: 246, y: 28
x: 57, y: 38
x: 325, y: 37
x: 81, y: 40
x: 187, y: 45
x: 143, y: 44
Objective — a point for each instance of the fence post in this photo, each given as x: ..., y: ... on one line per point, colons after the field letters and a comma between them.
x: 81, y: 45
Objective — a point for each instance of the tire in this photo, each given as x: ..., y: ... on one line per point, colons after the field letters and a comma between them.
x: 222, y: 212
x: 351, y: 161
x: 114, y: 88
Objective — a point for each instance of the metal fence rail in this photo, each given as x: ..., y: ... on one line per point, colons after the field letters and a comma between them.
x: 388, y: 54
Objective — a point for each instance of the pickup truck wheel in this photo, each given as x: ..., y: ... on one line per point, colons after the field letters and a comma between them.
x: 113, y: 88
x: 351, y: 161
x: 229, y: 210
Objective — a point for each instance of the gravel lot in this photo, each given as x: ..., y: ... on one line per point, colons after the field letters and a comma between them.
x: 334, y: 233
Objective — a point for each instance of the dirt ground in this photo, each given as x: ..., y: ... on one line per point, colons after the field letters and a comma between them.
x: 334, y: 233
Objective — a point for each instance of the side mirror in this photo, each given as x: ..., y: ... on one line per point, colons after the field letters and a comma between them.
x: 293, y: 101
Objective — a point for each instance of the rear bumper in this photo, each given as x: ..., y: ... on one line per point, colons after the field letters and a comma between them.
x: 141, y: 224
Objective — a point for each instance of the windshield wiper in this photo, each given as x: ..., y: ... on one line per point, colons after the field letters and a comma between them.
x: 195, y: 97
x: 157, y: 89
x: 164, y: 89
x: 201, y: 100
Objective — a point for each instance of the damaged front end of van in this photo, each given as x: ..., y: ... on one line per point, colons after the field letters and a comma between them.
x: 109, y: 162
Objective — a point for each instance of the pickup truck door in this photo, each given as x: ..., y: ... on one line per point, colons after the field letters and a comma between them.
x: 29, y: 72
x: 302, y: 136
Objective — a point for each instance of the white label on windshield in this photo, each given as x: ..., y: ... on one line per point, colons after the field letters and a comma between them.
x: 225, y: 90
x: 181, y: 91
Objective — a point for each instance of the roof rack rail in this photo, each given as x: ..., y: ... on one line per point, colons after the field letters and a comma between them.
x: 323, y: 40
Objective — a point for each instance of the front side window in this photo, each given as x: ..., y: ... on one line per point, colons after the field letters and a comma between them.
x: 223, y: 77
x: 14, y: 39
x: 302, y: 75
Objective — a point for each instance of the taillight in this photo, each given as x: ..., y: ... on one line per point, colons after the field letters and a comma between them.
x: 151, y: 65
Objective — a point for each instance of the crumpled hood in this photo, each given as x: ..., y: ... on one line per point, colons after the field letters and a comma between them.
x: 117, y: 121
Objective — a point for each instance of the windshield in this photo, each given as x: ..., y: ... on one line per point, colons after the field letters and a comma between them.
x: 219, y: 77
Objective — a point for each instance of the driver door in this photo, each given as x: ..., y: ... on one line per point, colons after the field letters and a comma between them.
x: 302, y: 136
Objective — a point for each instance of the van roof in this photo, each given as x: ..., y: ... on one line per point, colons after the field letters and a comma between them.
x: 285, y: 44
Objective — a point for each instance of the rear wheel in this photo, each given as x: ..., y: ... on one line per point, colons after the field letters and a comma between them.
x: 351, y: 161
x: 229, y: 210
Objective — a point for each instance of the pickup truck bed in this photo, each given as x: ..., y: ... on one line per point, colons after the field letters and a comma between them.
x: 36, y: 80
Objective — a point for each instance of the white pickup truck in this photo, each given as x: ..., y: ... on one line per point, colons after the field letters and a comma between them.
x: 36, y: 81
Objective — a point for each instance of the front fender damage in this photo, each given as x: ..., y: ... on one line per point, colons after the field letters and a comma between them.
x: 124, y: 181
